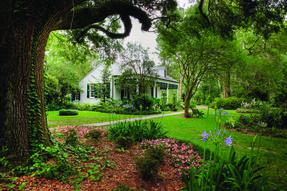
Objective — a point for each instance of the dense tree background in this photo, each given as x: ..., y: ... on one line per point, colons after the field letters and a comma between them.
x: 66, y: 63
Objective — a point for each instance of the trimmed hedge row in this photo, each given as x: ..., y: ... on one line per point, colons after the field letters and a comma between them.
x: 68, y: 112
x: 227, y: 103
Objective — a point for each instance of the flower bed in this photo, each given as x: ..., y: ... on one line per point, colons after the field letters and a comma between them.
x: 182, y: 154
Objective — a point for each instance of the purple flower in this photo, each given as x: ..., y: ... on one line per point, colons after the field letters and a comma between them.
x: 204, y: 136
x: 228, y: 141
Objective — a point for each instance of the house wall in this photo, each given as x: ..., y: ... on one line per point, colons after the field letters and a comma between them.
x: 92, y: 77
x: 95, y: 76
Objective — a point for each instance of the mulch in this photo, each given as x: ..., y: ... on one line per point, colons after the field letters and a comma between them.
x: 123, y: 172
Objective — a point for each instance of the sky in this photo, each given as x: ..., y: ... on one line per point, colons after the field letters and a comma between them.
x: 148, y: 39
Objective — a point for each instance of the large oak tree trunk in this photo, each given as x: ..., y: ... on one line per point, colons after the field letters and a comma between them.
x: 22, y: 115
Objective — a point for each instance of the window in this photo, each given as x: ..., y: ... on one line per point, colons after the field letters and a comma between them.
x: 92, y: 90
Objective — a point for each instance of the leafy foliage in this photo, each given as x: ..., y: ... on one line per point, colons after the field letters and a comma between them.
x: 232, y: 173
x: 67, y: 112
x: 72, y: 138
x: 227, y: 103
x: 127, y: 133
x: 137, y: 69
x: 93, y: 134
x: 149, y: 164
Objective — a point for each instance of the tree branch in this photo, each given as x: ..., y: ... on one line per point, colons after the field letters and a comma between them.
x: 87, y: 17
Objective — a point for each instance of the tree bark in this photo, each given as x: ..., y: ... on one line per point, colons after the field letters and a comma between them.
x: 187, y: 99
x: 22, y: 112
x: 226, y: 84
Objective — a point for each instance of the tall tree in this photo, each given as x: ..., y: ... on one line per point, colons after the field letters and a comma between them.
x: 68, y: 63
x: 137, y: 67
x: 192, y: 48
x: 24, y: 29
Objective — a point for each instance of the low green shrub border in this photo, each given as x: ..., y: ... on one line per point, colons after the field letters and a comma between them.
x: 243, y: 110
x: 122, y: 111
x: 68, y: 112
x: 227, y: 103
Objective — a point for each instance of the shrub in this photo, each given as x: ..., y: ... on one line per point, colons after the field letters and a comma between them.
x: 84, y: 107
x: 274, y: 117
x: 72, y: 138
x: 67, y: 112
x: 157, y: 152
x: 124, y: 141
x: 149, y: 164
x: 197, y: 113
x: 143, y: 103
x: 93, y: 135
x: 126, y: 133
x: 227, y: 103
x: 147, y: 167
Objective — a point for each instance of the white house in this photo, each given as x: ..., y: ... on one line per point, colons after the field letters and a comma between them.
x: 163, y: 84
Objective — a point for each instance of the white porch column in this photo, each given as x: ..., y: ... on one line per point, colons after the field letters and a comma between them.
x: 154, y: 89
x: 167, y: 84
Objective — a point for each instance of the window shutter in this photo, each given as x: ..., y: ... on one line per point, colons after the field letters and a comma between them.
x: 96, y: 90
x: 88, y: 90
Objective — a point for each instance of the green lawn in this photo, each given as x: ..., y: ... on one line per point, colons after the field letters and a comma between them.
x: 272, y: 153
x: 84, y: 117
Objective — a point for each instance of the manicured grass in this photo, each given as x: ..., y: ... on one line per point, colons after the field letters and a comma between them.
x: 84, y: 117
x: 272, y: 152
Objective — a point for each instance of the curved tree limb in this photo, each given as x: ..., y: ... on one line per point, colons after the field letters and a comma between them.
x: 201, y: 11
x: 88, y: 17
x: 127, y: 29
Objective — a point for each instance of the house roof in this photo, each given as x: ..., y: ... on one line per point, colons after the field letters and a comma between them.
x: 167, y: 78
x: 116, y: 72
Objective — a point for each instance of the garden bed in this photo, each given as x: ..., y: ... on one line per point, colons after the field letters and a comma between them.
x: 120, y: 168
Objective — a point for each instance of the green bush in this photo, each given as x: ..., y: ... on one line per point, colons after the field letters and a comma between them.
x: 147, y: 167
x: 68, y: 112
x: 84, y: 107
x: 124, y: 141
x: 156, y: 152
x: 273, y: 117
x: 232, y: 173
x: 126, y: 133
x: 93, y: 135
x: 72, y: 138
x: 196, y: 113
x: 143, y: 103
x: 149, y: 164
x: 227, y: 103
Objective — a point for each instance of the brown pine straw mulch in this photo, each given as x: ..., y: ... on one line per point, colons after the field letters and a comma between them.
x: 124, y: 172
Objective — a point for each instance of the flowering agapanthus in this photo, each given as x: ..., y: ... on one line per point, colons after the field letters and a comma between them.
x: 204, y: 136
x: 228, y: 141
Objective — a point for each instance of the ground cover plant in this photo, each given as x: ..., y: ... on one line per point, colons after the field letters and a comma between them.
x: 127, y: 133
x: 75, y: 163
